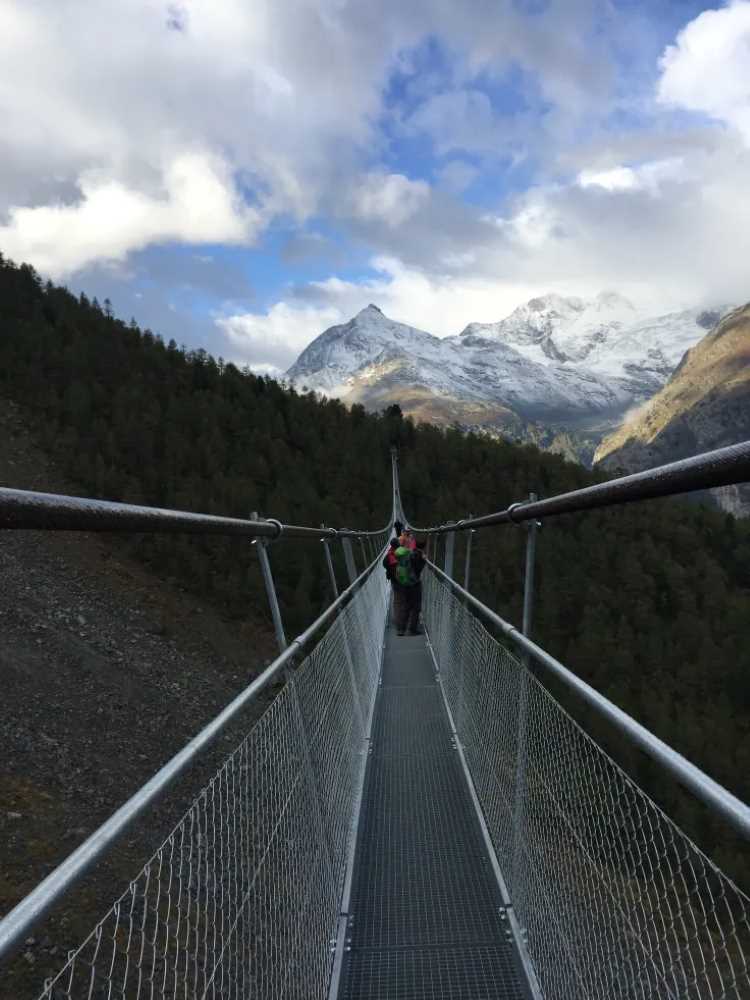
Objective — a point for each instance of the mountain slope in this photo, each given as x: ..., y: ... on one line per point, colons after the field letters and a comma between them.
x: 557, y: 328
x: 373, y: 359
x: 342, y: 350
x: 556, y: 366
x: 705, y: 405
x: 605, y: 335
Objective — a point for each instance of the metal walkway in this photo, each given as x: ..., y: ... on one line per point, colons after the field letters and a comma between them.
x: 427, y: 918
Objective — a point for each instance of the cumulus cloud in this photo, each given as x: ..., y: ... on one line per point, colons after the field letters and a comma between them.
x: 252, y: 90
x: 613, y: 179
x: 708, y: 67
x: 199, y: 204
x: 99, y: 103
x: 270, y: 342
x: 644, y: 177
x: 388, y: 198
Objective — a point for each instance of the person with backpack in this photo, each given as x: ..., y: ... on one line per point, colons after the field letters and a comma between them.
x: 407, y: 590
x: 389, y: 564
x: 390, y: 561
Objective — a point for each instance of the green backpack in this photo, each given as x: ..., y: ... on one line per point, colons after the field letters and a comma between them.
x: 405, y: 574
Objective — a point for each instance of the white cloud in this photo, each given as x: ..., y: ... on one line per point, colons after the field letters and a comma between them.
x: 270, y: 342
x: 614, y: 179
x: 388, y: 198
x: 102, y: 103
x: 199, y: 204
x: 98, y: 102
x: 644, y: 177
x: 708, y: 67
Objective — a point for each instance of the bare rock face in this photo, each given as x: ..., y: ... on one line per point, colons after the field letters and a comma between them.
x: 705, y: 405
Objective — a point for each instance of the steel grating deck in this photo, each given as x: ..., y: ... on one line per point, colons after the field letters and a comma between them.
x: 426, y: 915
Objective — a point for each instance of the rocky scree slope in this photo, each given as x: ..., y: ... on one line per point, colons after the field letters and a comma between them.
x: 105, y: 673
x: 705, y: 405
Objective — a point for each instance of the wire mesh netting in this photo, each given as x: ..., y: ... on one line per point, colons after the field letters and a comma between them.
x: 616, y: 902
x: 242, y: 899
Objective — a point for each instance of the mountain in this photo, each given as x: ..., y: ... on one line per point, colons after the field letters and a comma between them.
x: 373, y: 359
x: 558, y: 328
x: 555, y: 368
x: 342, y: 350
x: 606, y: 335
x: 704, y: 405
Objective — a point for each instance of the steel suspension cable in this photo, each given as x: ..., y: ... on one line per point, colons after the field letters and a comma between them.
x: 25, y: 509
x: 722, y: 467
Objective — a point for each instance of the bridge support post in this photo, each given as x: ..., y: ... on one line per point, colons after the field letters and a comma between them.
x: 329, y: 564
x: 467, y: 565
x: 528, y: 586
x: 450, y: 545
x: 523, y: 700
x: 351, y: 566
x: 265, y: 568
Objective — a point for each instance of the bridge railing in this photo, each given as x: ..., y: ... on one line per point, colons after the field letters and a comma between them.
x: 243, y: 897
x: 613, y: 898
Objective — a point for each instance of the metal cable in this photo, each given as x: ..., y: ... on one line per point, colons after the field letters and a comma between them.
x: 52, y: 512
x: 714, y: 468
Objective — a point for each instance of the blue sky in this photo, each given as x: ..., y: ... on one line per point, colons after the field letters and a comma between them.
x: 240, y: 176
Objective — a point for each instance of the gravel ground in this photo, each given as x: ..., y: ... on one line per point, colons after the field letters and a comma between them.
x: 105, y: 672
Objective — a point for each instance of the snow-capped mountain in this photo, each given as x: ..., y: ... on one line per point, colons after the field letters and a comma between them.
x: 372, y: 355
x: 340, y: 351
x: 560, y: 362
x: 556, y: 328
x: 606, y: 335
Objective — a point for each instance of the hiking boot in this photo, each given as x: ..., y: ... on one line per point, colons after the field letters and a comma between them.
x: 401, y: 632
x: 416, y: 631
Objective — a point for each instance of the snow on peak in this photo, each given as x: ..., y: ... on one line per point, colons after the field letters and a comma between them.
x: 344, y: 349
x: 554, y: 353
x: 371, y: 310
x: 559, y: 328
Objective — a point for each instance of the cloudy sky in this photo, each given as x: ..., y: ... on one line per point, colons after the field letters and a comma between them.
x: 241, y: 174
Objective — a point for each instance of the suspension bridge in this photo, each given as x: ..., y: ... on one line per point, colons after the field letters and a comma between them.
x: 412, y: 817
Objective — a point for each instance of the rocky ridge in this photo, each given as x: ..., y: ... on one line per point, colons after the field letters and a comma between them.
x: 704, y: 405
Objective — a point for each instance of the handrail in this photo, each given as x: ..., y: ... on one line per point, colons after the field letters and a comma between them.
x: 55, y: 512
x: 709, y: 791
x: 15, y: 926
x: 722, y: 467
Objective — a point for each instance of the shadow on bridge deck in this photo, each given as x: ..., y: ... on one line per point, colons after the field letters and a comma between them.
x: 427, y: 918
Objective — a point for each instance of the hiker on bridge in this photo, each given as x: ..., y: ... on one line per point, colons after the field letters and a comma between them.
x: 407, y: 587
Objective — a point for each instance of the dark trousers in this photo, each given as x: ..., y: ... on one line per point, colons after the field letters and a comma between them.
x: 407, y: 604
